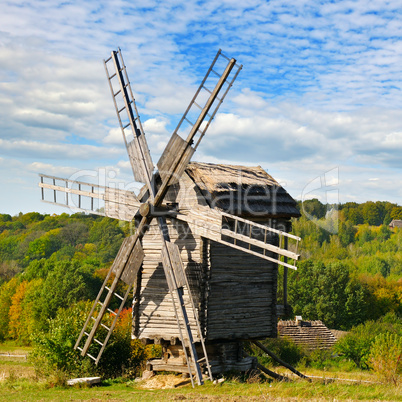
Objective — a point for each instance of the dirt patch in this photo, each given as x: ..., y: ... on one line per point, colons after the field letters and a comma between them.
x: 164, y: 381
x: 16, y: 371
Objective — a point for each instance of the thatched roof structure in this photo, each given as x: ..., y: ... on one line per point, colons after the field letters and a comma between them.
x: 309, y: 334
x: 242, y: 190
x: 396, y: 223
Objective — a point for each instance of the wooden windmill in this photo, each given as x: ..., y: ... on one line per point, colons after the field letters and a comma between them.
x: 203, y: 260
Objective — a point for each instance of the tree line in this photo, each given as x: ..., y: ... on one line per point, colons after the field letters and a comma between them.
x: 350, y: 271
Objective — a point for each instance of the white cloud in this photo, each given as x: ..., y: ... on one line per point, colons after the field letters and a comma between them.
x: 114, y: 136
x: 320, y: 86
x: 35, y: 149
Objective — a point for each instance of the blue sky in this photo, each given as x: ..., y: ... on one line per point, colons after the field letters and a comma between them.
x: 318, y: 103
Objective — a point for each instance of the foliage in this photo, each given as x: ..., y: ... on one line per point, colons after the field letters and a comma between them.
x: 386, y: 357
x: 109, y: 236
x: 356, y: 345
x: 64, y: 285
x: 53, y: 349
x: 7, y: 290
x: 327, y: 292
x: 284, y: 348
x: 347, y: 277
x: 21, y: 313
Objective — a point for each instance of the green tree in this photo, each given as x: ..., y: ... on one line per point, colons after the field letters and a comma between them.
x: 74, y: 233
x: 7, y: 291
x: 347, y: 233
x: 66, y: 284
x: 326, y: 292
x: 356, y: 345
x: 396, y: 213
x: 44, y: 246
x: 371, y: 212
x: 107, y: 236
x: 314, y: 208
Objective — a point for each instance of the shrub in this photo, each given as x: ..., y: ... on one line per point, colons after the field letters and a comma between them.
x: 53, y: 350
x: 356, y: 345
x: 284, y: 348
x: 386, y: 357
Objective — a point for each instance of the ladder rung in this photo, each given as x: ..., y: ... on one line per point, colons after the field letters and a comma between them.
x: 126, y: 126
x: 215, y: 72
x: 86, y: 333
x: 99, y: 342
x: 117, y: 295
x: 112, y: 76
x: 207, y: 89
x: 93, y: 358
x: 80, y: 349
x: 110, y: 58
x: 119, y: 111
x: 116, y: 93
x: 201, y: 360
x: 189, y: 122
x: 111, y: 311
x: 105, y: 326
x: 196, y: 104
x: 226, y: 57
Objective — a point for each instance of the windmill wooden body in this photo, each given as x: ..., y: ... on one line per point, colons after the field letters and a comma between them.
x: 203, y: 261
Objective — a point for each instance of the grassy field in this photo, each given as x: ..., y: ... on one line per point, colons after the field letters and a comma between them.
x: 19, y: 383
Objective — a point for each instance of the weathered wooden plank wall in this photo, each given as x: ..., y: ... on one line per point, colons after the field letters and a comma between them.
x: 242, y: 295
x: 156, y: 313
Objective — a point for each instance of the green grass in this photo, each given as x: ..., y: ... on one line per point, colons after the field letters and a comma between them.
x: 18, y: 382
x: 229, y: 391
x: 12, y: 347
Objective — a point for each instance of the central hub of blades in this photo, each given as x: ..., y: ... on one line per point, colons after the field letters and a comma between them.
x: 145, y: 209
x: 149, y: 210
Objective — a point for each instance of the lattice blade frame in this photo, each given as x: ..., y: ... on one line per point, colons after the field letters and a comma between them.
x: 87, y: 197
x: 178, y: 152
x: 241, y: 234
x: 129, y: 119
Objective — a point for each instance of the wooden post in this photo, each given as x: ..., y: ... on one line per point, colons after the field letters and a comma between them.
x: 280, y: 361
x: 285, y: 276
x: 269, y: 372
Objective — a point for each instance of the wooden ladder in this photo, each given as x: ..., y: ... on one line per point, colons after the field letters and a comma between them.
x: 178, y: 283
x: 206, y: 88
x: 125, y: 268
x: 129, y: 120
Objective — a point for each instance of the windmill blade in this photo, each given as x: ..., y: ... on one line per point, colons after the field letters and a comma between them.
x: 242, y: 234
x: 125, y: 268
x: 176, y: 279
x: 129, y: 120
x: 77, y: 195
x: 197, y: 118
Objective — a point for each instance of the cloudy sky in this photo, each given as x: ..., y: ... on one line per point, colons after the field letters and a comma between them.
x: 318, y: 103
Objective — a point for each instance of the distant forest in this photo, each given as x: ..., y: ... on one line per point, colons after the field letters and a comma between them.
x: 350, y: 271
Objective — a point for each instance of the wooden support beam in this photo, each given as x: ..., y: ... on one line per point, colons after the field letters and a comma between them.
x: 280, y: 361
x: 272, y: 374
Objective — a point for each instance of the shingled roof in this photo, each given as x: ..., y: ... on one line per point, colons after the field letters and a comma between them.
x: 309, y: 334
x: 242, y: 190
